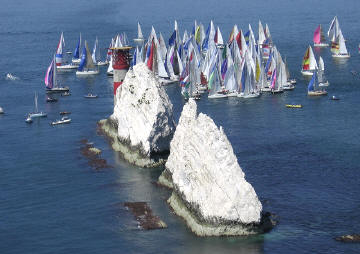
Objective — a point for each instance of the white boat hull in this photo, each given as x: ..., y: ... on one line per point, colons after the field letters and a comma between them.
x: 87, y: 73
x: 251, y: 95
x: 61, y: 122
x: 232, y: 94
x: 317, y: 93
x: 36, y: 115
x: 321, y: 44
x: 101, y: 63
x: 58, y: 90
x: 307, y: 73
x: 217, y: 96
x: 66, y: 67
x: 341, y: 56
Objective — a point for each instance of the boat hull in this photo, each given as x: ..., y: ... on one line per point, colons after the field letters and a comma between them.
x: 317, y: 93
x: 341, y: 56
x: 293, y: 105
x: 61, y: 122
x: 321, y: 44
x: 58, y: 90
x: 66, y: 67
x: 217, y: 96
x: 307, y: 73
x: 87, y: 73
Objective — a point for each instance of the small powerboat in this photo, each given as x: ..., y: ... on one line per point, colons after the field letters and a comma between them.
x: 90, y: 95
x: 334, y: 98
x: 293, y: 105
x: 28, y: 119
x: 65, y: 113
x: 66, y: 94
x: 63, y: 120
x: 1, y: 111
x: 50, y: 99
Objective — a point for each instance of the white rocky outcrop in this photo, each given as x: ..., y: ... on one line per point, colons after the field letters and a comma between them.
x: 209, y: 187
x: 142, y: 124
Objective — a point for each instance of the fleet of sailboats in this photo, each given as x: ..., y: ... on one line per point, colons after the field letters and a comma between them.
x: 203, y: 61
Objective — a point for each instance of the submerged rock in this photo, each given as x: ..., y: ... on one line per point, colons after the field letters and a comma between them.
x: 209, y: 188
x: 142, y: 124
x: 93, y: 155
x: 144, y: 216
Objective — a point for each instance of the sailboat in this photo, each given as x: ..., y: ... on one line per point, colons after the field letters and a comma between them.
x: 219, y: 41
x: 319, y: 38
x: 309, y: 64
x: 59, y: 57
x: 313, y: 88
x: 216, y: 89
x: 140, y: 36
x: 321, y: 77
x: 340, y: 51
x: 36, y: 113
x: 96, y: 54
x: 76, y: 57
x: 87, y: 66
x: 51, y: 83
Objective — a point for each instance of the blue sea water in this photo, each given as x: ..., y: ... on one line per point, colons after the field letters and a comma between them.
x: 303, y: 164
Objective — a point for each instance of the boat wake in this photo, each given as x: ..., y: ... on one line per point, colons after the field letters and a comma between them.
x: 9, y: 76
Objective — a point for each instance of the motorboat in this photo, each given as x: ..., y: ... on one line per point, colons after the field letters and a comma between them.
x: 63, y: 120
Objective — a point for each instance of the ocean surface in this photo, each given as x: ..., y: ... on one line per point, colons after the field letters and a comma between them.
x: 303, y: 164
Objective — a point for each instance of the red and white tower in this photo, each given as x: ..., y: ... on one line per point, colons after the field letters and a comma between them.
x: 121, y: 64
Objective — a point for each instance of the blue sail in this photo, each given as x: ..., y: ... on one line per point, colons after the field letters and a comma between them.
x: 83, y: 60
x: 205, y: 44
x: 77, y: 49
x: 312, y: 82
x: 267, y: 66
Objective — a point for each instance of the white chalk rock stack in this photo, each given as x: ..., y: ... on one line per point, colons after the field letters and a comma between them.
x: 209, y: 187
x: 142, y: 124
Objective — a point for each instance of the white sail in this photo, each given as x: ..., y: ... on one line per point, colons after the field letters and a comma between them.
x: 321, y: 64
x: 140, y: 34
x: 334, y: 28
x: 342, y: 46
x: 160, y: 64
x: 96, y: 53
x: 162, y: 46
x: 313, y: 64
x: 262, y: 37
x: 220, y: 39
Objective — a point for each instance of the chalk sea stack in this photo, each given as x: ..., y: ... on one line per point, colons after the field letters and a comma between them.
x: 209, y: 188
x: 142, y: 124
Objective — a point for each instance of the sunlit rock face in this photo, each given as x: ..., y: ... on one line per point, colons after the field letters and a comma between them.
x: 209, y: 187
x: 142, y: 124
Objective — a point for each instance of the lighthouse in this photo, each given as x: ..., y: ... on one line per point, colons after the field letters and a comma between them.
x: 121, y: 64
